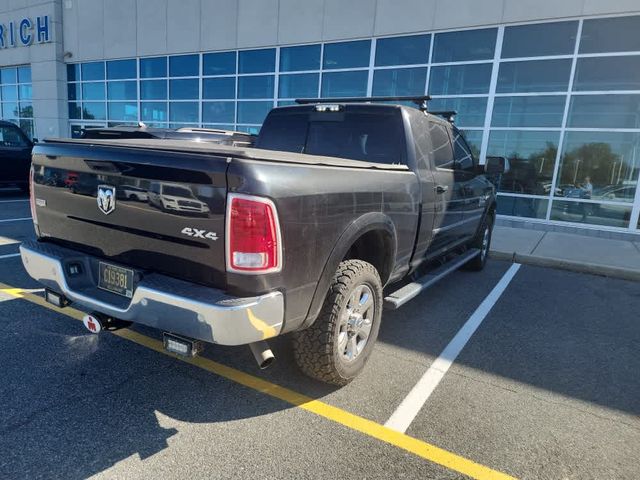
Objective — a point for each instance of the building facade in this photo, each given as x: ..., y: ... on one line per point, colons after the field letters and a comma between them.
x: 553, y: 86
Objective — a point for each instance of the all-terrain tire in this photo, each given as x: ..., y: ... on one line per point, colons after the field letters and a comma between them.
x: 316, y: 349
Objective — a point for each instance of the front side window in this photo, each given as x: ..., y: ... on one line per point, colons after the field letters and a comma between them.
x: 461, y: 152
x: 440, y: 146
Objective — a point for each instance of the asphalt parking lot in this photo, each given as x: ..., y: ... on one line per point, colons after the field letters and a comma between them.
x: 546, y: 387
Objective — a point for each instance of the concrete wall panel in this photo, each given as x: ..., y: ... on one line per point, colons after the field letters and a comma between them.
x: 218, y: 24
x: 120, y: 28
x: 393, y: 16
x: 468, y: 13
x: 257, y: 23
x: 300, y: 22
x: 151, y: 19
x: 90, y: 29
x: 351, y: 19
x: 522, y: 10
x: 183, y: 26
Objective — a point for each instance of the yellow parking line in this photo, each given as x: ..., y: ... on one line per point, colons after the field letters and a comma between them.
x: 417, y: 447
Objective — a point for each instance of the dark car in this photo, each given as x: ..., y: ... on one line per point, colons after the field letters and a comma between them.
x: 223, y: 137
x: 340, y: 199
x: 15, y: 156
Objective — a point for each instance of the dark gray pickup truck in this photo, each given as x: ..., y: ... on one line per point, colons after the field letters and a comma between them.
x: 338, y: 202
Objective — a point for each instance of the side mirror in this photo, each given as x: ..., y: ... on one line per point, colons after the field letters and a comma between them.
x: 496, y: 165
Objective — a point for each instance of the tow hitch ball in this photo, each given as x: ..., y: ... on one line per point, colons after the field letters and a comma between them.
x: 96, y: 322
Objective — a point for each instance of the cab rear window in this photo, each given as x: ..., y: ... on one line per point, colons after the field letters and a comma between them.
x: 370, y: 135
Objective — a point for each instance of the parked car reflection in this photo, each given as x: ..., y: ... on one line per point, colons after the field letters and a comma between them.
x: 172, y: 197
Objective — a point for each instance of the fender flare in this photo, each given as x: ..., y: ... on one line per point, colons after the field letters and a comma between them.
x: 366, y: 223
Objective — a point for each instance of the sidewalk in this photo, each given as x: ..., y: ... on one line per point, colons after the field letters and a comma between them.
x: 600, y: 256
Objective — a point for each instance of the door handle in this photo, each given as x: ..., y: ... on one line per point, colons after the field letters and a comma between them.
x: 442, y: 188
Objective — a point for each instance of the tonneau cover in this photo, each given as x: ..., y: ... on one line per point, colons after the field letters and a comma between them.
x: 226, y: 150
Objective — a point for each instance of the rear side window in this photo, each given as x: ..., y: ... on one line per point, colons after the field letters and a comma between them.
x: 440, y: 146
x: 10, y: 137
x: 376, y: 137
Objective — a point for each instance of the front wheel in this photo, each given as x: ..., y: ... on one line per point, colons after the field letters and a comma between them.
x: 482, y: 242
x: 338, y: 344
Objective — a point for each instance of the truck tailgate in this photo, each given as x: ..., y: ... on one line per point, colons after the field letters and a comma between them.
x: 151, y: 209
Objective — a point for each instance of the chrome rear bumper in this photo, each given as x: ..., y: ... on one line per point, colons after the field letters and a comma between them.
x: 159, y: 301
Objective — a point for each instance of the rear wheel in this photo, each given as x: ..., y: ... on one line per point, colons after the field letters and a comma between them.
x: 482, y: 242
x: 336, y: 347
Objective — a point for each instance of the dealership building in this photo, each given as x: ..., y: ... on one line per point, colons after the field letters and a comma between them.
x: 552, y: 85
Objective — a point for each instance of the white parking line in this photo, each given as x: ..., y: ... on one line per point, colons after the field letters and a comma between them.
x: 19, y: 200
x: 9, y: 256
x: 411, y: 405
x: 14, y: 219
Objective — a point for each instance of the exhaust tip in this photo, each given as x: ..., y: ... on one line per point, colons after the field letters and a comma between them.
x: 262, y: 353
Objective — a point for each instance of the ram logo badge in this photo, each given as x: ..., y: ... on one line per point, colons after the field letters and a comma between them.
x: 196, y: 233
x: 106, y: 198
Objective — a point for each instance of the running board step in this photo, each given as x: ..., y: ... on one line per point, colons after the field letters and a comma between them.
x: 403, y: 295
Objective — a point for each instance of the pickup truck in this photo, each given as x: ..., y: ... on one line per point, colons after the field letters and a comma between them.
x: 339, y: 201
x: 15, y: 156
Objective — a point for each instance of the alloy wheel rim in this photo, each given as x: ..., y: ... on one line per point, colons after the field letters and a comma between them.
x: 356, y: 321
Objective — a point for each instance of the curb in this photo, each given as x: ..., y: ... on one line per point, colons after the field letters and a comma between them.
x: 581, y: 267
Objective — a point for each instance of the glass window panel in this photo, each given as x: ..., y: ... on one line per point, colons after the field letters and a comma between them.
x: 534, y: 76
x: 26, y: 110
x: 599, y: 165
x: 399, y: 81
x: 532, y: 157
x: 460, y: 79
x: 220, y: 126
x: 153, y: 67
x: 125, y: 111
x: 93, y: 71
x: 298, y: 86
x: 346, y: 54
x: 122, y: 90
x: 618, y: 34
x: 344, y: 84
x: 522, y: 207
x: 540, y: 39
x: 153, y: 89
x: 118, y: 69
x: 94, y: 111
x: 604, y: 111
x: 403, y: 50
x: 253, y: 112
x: 153, y: 111
x: 27, y: 127
x: 248, y: 129
x: 10, y: 110
x: 9, y: 93
x: 305, y: 57
x: 529, y: 111
x: 75, y: 112
x: 471, y: 111
x: 8, y: 75
x: 73, y: 91
x: 464, y: 45
x: 24, y: 74
x: 183, y: 89
x: 285, y: 103
x: 223, y: 63
x: 93, y: 91
x: 259, y: 86
x: 218, y: 112
x: 612, y: 73
x: 214, y: 88
x: 25, y: 91
x: 184, y: 65
x: 183, y: 111
x: 257, y: 61
x: 73, y: 72
x: 591, y: 213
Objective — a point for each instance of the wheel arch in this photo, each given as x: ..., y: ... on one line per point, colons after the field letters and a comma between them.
x: 372, y: 238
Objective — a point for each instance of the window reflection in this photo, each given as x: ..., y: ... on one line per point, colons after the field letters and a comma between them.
x: 599, y: 165
x: 540, y: 39
x: 604, y: 111
x: 531, y: 157
x: 618, y: 34
x: 257, y: 61
x: 608, y: 73
x: 403, y: 50
x: 471, y: 111
x: 464, y: 45
x: 298, y: 86
x: 345, y: 84
x: 399, y: 81
x: 346, y: 54
x: 522, y: 206
x: 460, y: 79
x: 534, y: 76
x: 528, y: 111
x: 305, y: 57
x: 591, y: 213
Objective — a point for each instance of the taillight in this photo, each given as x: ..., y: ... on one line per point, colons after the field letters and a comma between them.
x: 253, y: 235
x: 32, y: 198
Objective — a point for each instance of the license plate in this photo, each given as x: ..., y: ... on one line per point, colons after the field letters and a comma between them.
x: 116, y: 279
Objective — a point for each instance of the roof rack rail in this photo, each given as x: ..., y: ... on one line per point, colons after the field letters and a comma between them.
x: 420, y: 101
